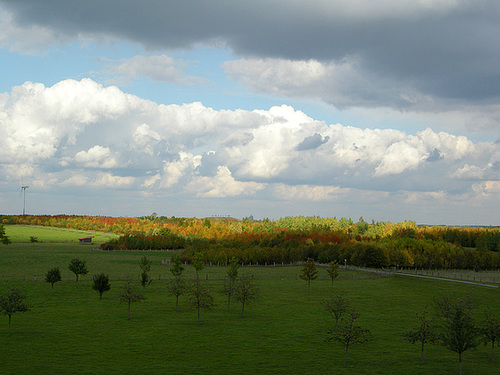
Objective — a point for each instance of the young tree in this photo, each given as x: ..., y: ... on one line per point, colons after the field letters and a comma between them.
x: 177, y: 267
x: 333, y: 271
x: 459, y: 333
x: 200, y: 298
x: 336, y: 307
x: 33, y: 239
x: 3, y: 238
x: 309, y: 272
x: 130, y: 295
x: 78, y: 267
x: 348, y: 332
x: 101, y: 284
x: 53, y: 276
x: 11, y: 302
x: 424, y: 333
x: 229, y: 281
x: 145, y: 265
x: 198, y: 264
x: 245, y: 291
x: 490, y: 331
x: 177, y: 287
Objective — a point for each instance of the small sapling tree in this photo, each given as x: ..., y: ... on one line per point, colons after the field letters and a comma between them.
x: 33, y: 239
x: 101, y: 284
x: 78, y: 267
x: 11, y: 302
x: 423, y: 334
x: 176, y: 267
x: 309, y: 272
x: 348, y: 332
x: 245, y: 291
x: 490, y: 331
x: 145, y: 265
x: 176, y: 285
x: 129, y: 295
x: 459, y: 332
x: 229, y: 282
x: 336, y: 306
x: 53, y: 276
x: 333, y: 271
x: 200, y: 298
x: 198, y: 264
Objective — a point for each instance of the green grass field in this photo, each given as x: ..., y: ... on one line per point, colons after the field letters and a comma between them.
x: 74, y: 332
x: 23, y: 233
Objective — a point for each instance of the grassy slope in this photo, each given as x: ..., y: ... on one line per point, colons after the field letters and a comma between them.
x: 22, y: 233
x: 281, y: 333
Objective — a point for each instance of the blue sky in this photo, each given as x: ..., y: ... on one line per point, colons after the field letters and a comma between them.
x: 383, y: 109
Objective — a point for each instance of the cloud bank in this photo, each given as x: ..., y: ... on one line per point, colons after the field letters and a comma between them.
x: 83, y: 134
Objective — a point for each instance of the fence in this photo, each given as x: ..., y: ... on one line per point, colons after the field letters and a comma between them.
x: 349, y: 272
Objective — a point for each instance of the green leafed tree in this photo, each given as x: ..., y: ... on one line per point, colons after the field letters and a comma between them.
x: 198, y: 264
x: 336, y: 306
x: 423, y: 334
x: 490, y: 331
x: 53, y: 276
x: 309, y: 272
x: 348, y: 333
x: 3, y: 237
x: 177, y: 287
x: 333, y: 271
x: 14, y: 300
x: 130, y: 295
x: 245, y: 291
x: 145, y: 265
x: 78, y: 267
x: 200, y: 298
x: 229, y: 282
x: 177, y: 268
x: 459, y: 332
x: 101, y: 284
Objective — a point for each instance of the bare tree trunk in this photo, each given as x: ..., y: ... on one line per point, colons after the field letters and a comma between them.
x: 9, y: 324
x: 459, y: 363
x: 345, y: 355
x: 198, y: 316
x: 422, y: 354
x: 493, y: 351
x: 129, y: 310
x: 176, y: 303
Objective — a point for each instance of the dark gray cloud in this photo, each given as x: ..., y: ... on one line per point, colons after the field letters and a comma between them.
x: 442, y: 49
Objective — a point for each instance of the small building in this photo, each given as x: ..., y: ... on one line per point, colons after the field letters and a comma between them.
x: 86, y: 240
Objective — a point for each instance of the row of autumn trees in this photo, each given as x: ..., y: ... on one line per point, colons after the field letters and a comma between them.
x: 293, y: 239
x: 302, y: 227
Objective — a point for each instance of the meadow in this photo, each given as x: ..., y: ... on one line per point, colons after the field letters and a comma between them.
x: 282, y: 332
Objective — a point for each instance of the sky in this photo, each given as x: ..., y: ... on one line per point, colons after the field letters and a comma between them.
x: 383, y: 109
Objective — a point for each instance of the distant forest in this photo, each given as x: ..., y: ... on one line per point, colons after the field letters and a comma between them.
x: 293, y: 239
